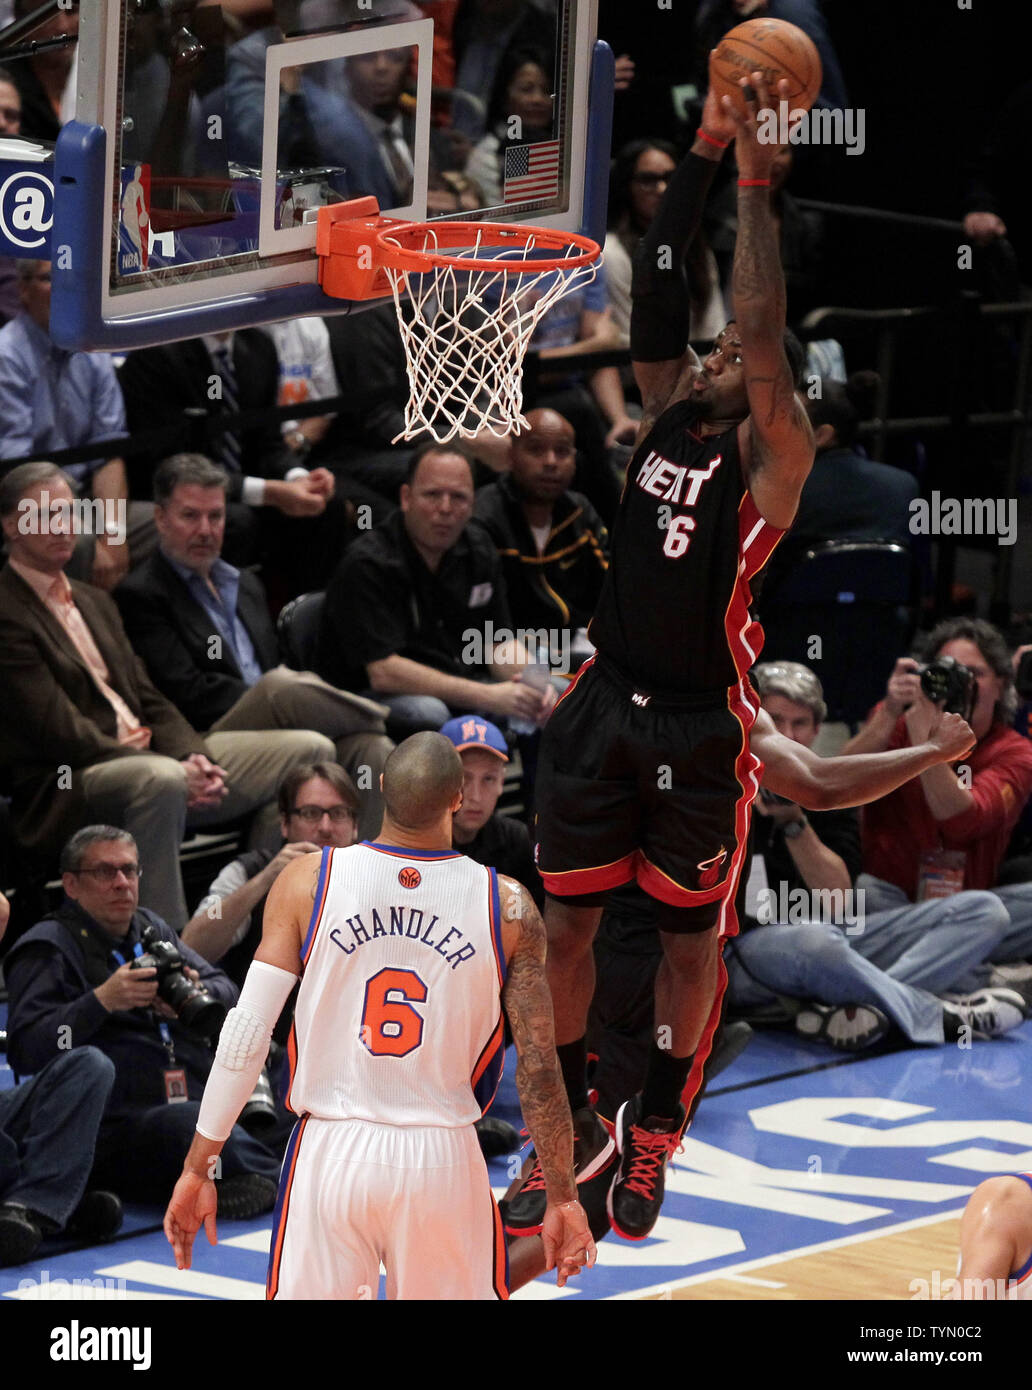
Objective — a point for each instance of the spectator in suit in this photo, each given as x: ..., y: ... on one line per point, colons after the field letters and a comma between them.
x: 86, y: 733
x: 202, y: 629
x: 51, y: 399
x: 552, y: 542
x: 72, y: 977
x: 414, y: 605
x: 301, y: 525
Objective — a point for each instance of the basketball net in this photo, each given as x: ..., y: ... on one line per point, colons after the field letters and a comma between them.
x: 466, y: 330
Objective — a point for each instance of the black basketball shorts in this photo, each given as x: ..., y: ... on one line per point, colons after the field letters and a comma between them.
x: 636, y: 786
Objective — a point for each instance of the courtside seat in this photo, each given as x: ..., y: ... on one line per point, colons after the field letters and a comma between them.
x: 297, y: 628
x: 856, y: 599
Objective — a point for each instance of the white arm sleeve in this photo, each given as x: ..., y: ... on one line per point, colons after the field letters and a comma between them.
x: 243, y: 1048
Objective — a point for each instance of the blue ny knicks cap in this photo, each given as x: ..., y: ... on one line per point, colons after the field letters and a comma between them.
x: 470, y: 731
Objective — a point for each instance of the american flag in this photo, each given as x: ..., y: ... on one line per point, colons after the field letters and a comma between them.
x: 531, y: 171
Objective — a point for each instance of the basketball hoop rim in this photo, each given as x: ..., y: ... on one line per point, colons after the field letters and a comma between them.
x: 509, y: 234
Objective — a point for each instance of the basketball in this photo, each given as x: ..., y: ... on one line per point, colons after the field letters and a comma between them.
x: 775, y: 47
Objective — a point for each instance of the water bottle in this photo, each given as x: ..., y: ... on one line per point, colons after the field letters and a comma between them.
x: 537, y: 676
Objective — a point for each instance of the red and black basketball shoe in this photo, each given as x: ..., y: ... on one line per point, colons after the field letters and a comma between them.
x: 646, y: 1146
x: 594, y: 1153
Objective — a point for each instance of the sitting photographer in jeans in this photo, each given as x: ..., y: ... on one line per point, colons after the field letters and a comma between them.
x: 948, y: 829
x: 74, y: 979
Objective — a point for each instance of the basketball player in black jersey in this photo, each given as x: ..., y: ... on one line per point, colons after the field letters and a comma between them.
x: 645, y: 770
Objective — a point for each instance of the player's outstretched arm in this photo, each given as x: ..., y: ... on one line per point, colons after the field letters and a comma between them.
x: 546, y: 1110
x: 828, y: 784
x: 242, y: 1050
x: 777, y: 439
x: 660, y: 304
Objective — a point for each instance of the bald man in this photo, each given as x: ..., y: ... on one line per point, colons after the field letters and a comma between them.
x: 407, y: 952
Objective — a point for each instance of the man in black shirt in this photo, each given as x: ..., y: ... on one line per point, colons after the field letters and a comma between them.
x: 417, y: 609
x: 501, y: 842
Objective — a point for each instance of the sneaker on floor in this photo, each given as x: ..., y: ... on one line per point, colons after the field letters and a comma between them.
x: 988, y: 1013
x: 645, y: 1146
x: 593, y: 1154
x: 20, y: 1237
x: 244, y: 1196
x: 847, y: 1027
x: 496, y: 1137
x: 97, y: 1217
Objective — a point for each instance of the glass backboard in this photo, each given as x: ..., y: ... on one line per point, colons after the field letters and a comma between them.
x: 188, y: 185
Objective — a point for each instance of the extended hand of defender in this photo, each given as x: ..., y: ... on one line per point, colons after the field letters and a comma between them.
x: 194, y: 1203
x: 567, y: 1241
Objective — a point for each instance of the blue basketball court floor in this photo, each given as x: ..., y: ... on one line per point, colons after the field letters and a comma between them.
x: 794, y: 1153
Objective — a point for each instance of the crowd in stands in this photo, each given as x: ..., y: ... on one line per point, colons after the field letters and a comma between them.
x: 147, y: 692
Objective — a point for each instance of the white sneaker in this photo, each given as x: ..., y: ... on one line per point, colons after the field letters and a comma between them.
x: 848, y: 1027
x: 988, y: 1013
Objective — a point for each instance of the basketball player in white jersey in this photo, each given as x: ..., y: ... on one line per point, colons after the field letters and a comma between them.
x: 996, y: 1240
x: 407, y: 951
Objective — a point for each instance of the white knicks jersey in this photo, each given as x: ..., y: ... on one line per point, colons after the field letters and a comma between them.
x: 399, y: 1016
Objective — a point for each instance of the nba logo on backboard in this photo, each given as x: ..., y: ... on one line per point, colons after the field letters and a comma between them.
x: 134, y: 220
x: 410, y: 877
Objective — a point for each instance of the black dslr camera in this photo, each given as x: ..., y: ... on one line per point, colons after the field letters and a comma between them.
x: 946, y: 679
x: 194, y: 1007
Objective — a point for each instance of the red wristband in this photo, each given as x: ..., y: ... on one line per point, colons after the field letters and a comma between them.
x: 711, y: 139
x: 754, y: 183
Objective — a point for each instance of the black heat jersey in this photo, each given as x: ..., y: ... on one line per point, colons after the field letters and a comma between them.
x: 673, y: 616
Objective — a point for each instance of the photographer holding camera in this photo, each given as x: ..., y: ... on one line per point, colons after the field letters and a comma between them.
x: 103, y: 971
x: 948, y: 829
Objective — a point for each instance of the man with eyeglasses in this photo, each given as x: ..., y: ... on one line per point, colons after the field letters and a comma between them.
x: 73, y: 982
x: 318, y: 807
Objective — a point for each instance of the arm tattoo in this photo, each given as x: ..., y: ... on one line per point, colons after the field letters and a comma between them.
x: 758, y: 282
x: 528, y: 1004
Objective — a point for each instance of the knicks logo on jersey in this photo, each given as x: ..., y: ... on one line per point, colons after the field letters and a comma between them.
x: 409, y: 877
x: 709, y: 870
